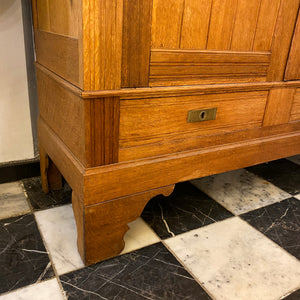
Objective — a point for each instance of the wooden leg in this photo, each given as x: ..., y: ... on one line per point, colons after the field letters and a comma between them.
x: 50, y: 176
x: 101, y: 227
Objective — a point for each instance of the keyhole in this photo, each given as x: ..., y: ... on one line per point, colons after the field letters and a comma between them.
x: 202, y: 115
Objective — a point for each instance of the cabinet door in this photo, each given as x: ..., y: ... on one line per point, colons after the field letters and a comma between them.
x: 206, y: 41
x: 293, y: 66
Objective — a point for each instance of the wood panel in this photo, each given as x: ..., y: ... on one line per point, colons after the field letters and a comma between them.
x: 102, y: 44
x: 245, y: 24
x: 103, y: 131
x: 167, y: 23
x: 221, y: 24
x: 283, y: 35
x: 195, y: 24
x: 200, y: 142
x: 197, y: 67
x: 295, y: 113
x: 156, y: 120
x: 175, y: 168
x: 292, y: 71
x: 136, y: 43
x: 279, y: 106
x: 59, y: 54
x: 64, y: 113
x: 58, y: 16
x: 266, y: 25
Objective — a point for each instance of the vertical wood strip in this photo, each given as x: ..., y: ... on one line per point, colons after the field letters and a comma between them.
x: 283, y: 35
x: 103, y: 130
x: 195, y: 24
x: 221, y: 24
x: 43, y: 15
x: 279, y: 106
x: 293, y: 66
x: 102, y: 44
x: 266, y: 25
x: 166, y: 23
x: 245, y: 25
x: 136, y: 43
x: 34, y: 14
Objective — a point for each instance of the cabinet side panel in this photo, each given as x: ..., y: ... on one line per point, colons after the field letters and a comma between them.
x: 295, y: 113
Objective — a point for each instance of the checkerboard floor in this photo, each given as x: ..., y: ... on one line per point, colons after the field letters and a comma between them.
x: 234, y: 235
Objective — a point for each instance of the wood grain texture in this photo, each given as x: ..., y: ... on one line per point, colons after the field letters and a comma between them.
x: 245, y: 25
x: 103, y: 116
x: 200, y: 142
x: 195, y: 25
x: 136, y: 43
x: 102, y: 44
x: 292, y: 71
x: 180, y: 67
x: 63, y: 112
x: 279, y: 106
x: 104, y: 239
x: 283, y: 35
x: 148, y: 121
x: 295, y: 113
x: 167, y: 23
x: 59, y: 54
x: 169, y: 169
x: 266, y: 25
x: 221, y: 24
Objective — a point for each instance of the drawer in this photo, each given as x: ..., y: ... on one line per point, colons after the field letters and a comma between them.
x: 160, y: 120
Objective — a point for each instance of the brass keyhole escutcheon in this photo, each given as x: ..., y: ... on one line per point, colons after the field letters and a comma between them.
x: 201, y: 115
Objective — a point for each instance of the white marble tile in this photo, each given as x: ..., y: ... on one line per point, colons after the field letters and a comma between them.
x: 295, y: 159
x: 297, y: 196
x: 138, y: 236
x: 41, y: 291
x: 240, y: 191
x: 12, y: 200
x: 234, y: 261
x: 58, y: 228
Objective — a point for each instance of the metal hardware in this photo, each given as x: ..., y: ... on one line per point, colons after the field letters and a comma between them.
x: 201, y: 115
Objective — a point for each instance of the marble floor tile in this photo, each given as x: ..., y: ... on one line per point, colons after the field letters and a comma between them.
x: 185, y: 209
x: 232, y: 261
x: 39, y: 200
x: 58, y: 227
x: 23, y: 257
x: 293, y: 296
x: 41, y: 291
x: 148, y: 273
x: 240, y: 191
x: 282, y: 173
x: 138, y: 236
x: 295, y: 159
x: 280, y: 222
x: 12, y: 200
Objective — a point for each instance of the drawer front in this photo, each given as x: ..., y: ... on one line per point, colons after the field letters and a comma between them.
x: 159, y: 120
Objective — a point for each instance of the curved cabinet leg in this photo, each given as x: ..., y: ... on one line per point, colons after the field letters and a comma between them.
x: 101, y: 227
x: 50, y: 176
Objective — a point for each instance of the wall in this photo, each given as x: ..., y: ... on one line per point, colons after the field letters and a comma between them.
x: 16, y: 142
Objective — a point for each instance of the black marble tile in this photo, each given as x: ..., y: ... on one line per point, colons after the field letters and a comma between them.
x: 148, y: 273
x: 185, y: 209
x: 282, y: 173
x: 39, y: 200
x: 280, y: 222
x: 23, y: 257
x: 293, y: 296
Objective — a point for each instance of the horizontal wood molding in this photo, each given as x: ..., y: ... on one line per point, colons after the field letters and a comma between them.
x: 149, y: 173
x: 136, y: 43
x: 102, y: 117
x: 295, y: 113
x: 292, y: 71
x: 148, y: 121
x: 58, y: 53
x: 179, y: 67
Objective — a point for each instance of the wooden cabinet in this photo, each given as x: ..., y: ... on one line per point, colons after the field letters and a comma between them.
x: 118, y: 80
